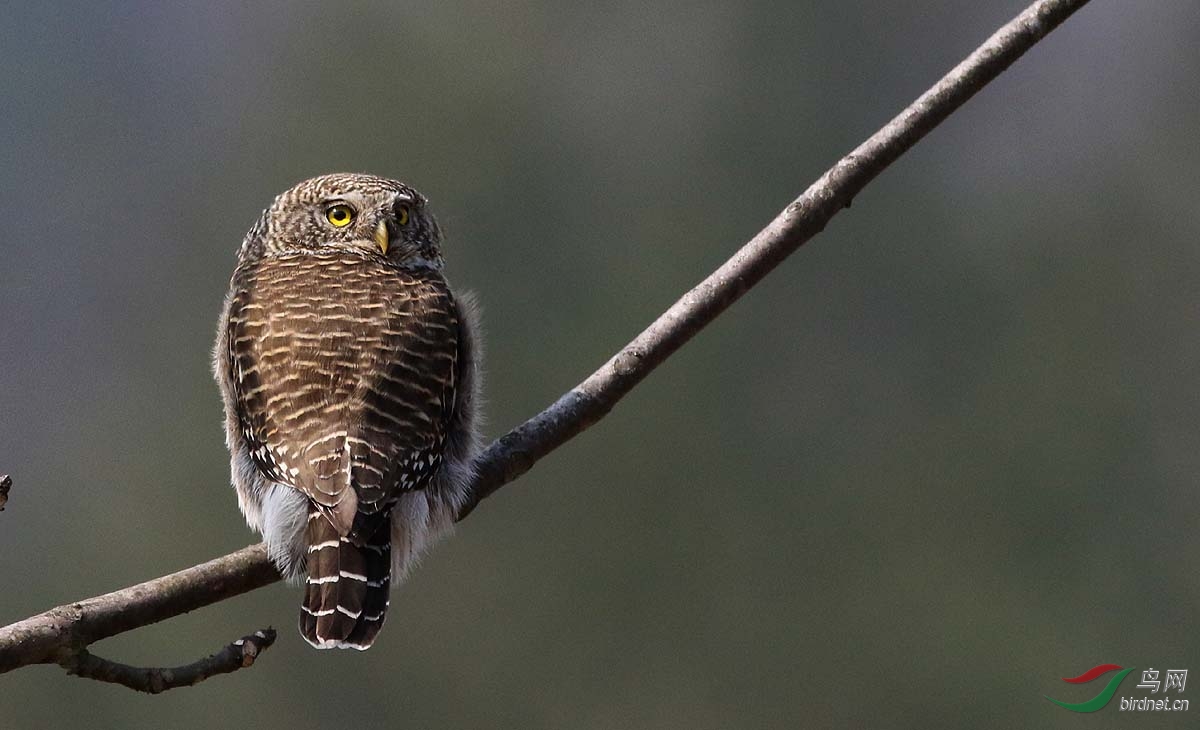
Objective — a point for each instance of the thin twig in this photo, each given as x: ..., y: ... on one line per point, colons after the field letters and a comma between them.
x: 43, y: 638
x: 237, y: 655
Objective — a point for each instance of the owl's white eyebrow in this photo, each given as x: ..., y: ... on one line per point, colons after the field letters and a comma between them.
x: 354, y: 198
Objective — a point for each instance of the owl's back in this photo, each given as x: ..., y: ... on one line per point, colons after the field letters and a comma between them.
x: 344, y: 372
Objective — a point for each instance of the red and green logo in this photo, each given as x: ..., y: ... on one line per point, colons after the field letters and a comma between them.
x: 1106, y: 694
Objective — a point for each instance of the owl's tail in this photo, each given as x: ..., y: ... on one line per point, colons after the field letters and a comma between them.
x: 346, y: 592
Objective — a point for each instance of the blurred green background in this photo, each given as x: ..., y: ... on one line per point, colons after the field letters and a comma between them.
x: 944, y: 456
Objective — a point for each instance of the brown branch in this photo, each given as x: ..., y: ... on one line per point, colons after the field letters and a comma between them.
x: 51, y: 637
x: 234, y: 656
x: 66, y: 630
x: 514, y: 453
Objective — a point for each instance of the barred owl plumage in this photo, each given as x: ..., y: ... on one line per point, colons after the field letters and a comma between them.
x: 349, y: 372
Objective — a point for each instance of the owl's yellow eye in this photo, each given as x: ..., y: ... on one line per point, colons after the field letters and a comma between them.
x: 340, y: 215
x: 402, y: 215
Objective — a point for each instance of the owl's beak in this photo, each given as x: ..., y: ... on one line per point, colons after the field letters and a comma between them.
x: 381, y: 235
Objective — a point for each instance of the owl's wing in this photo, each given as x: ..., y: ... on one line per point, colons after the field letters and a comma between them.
x: 344, y: 376
x: 404, y: 406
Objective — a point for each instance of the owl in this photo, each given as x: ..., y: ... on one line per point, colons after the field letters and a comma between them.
x: 349, y: 372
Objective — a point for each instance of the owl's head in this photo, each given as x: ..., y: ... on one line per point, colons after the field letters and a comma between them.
x: 364, y: 214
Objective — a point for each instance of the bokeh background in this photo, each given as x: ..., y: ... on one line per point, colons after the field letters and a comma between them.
x: 944, y: 456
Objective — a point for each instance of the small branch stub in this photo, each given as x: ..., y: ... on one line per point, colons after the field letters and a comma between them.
x: 153, y: 680
x: 5, y: 485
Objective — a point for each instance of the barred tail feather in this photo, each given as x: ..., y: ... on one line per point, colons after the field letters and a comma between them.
x: 346, y: 592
